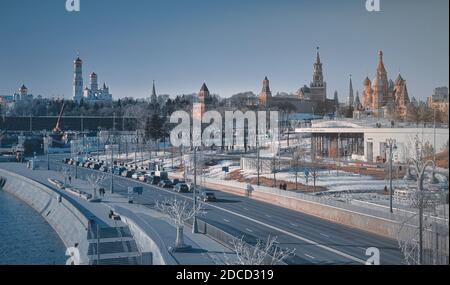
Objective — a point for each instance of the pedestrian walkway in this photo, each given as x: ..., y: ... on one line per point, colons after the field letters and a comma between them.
x: 115, y: 235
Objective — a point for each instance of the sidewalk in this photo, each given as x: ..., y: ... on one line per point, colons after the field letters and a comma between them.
x: 205, y: 251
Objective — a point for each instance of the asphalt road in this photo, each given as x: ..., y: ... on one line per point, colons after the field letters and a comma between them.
x: 315, y: 240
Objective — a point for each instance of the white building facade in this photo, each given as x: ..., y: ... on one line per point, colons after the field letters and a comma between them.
x: 348, y: 140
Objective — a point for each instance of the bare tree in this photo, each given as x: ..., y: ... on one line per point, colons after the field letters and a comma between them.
x: 180, y: 211
x: 314, y: 172
x: 296, y: 162
x: 95, y: 181
x: 64, y: 172
x: 411, y: 237
x: 262, y: 253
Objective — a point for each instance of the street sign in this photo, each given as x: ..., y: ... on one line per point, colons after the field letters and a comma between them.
x: 137, y: 190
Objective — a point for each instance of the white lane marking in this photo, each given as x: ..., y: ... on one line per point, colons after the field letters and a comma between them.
x: 248, y: 230
x: 293, y: 224
x: 343, y: 254
x: 268, y: 216
x: 310, y: 256
x: 228, y: 221
x: 327, y: 236
x: 245, y: 208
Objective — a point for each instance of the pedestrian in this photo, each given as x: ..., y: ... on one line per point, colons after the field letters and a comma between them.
x: 385, y: 189
x: 70, y: 179
x: 285, y: 186
x: 281, y: 186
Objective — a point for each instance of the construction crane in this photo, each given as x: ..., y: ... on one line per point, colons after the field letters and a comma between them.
x: 57, y: 129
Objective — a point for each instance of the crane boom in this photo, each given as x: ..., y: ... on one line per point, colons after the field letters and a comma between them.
x: 57, y: 128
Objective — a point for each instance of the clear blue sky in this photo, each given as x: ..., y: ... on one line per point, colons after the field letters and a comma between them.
x: 230, y: 44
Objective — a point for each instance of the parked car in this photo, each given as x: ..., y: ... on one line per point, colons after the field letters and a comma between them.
x: 165, y: 184
x: 181, y: 188
x: 145, y: 178
x: 95, y: 166
x: 118, y: 170
x: 104, y: 168
x: 208, y: 197
x: 127, y: 173
x: 177, y: 181
x: 138, y: 175
x: 155, y: 180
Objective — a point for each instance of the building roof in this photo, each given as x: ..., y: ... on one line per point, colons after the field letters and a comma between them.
x: 204, y: 88
x: 399, y: 80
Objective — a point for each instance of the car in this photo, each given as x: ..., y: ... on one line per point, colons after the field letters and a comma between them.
x: 118, y: 170
x: 155, y: 180
x: 165, y: 184
x: 66, y: 160
x: 95, y: 166
x: 127, y: 173
x: 87, y: 164
x: 145, y: 178
x: 137, y: 175
x: 176, y: 181
x: 104, y: 168
x: 181, y: 188
x: 208, y: 197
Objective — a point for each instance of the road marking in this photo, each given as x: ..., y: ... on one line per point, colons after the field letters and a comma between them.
x: 327, y: 236
x: 245, y: 208
x: 310, y: 256
x: 343, y: 254
x: 248, y: 230
x: 268, y: 216
x: 226, y: 220
x: 293, y: 224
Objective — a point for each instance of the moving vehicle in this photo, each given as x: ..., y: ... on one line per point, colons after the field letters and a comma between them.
x: 208, y: 197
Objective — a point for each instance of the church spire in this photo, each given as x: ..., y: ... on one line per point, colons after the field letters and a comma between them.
x: 318, y: 56
x: 153, y: 98
x: 380, y: 67
x: 350, y: 95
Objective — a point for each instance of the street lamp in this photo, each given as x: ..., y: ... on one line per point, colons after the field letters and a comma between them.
x: 194, y: 219
x: 391, y: 143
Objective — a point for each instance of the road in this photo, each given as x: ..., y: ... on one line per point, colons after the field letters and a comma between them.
x: 315, y: 240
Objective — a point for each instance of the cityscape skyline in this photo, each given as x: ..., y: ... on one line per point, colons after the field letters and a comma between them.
x: 226, y: 67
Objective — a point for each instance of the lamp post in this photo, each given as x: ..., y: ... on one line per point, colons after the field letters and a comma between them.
x: 433, y: 178
x: 391, y: 144
x: 420, y: 168
x: 194, y: 218
x: 112, y: 165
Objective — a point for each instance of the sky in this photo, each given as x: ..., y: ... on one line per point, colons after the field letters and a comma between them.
x: 229, y: 44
